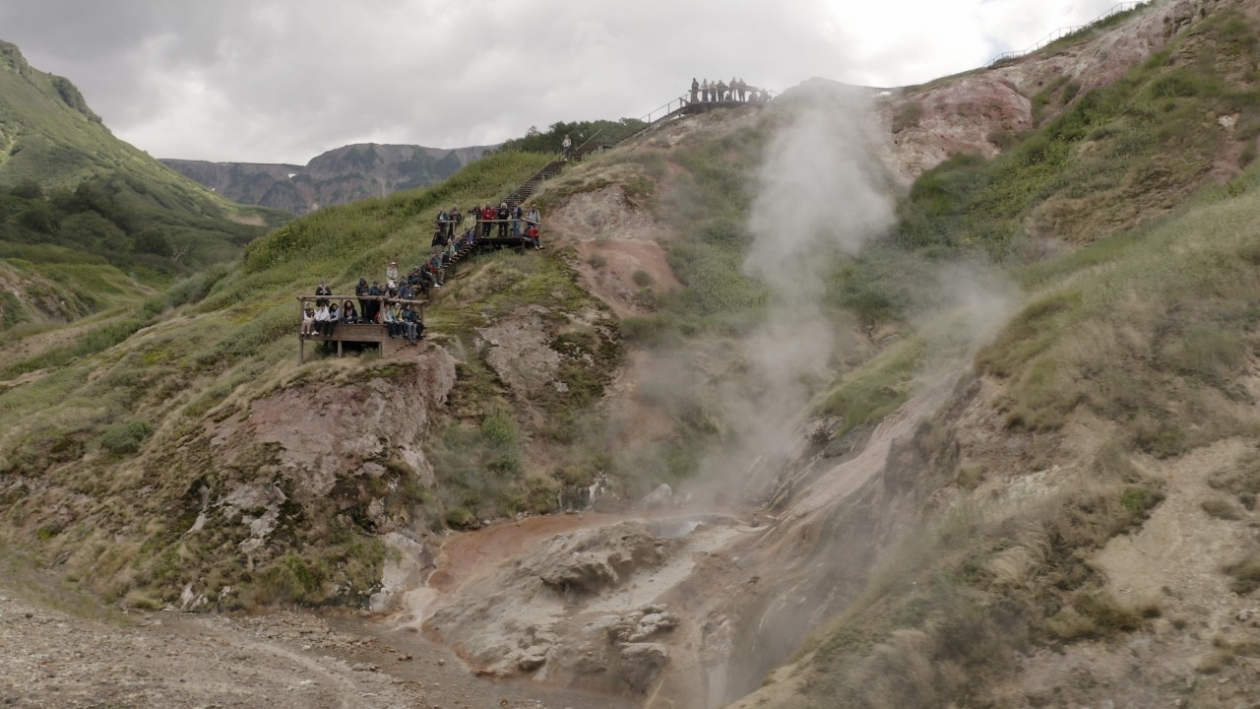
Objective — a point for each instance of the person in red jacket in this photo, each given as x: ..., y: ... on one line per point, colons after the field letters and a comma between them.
x: 487, y: 220
x: 532, y: 234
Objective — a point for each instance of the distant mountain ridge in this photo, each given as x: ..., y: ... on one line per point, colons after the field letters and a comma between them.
x: 346, y: 174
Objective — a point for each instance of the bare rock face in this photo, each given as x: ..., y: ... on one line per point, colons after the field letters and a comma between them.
x: 518, y: 351
x: 973, y: 113
x: 547, y: 614
x: 638, y: 626
x: 959, y: 117
x: 641, y: 664
x: 324, y: 432
x: 592, y: 561
x: 312, y: 459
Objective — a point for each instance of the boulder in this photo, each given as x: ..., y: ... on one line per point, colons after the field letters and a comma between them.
x: 641, y: 664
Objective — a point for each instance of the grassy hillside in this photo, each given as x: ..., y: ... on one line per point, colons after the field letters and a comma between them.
x: 1112, y: 159
x: 1129, y: 222
x: 1148, y: 332
x: 135, y: 400
x: 70, y: 192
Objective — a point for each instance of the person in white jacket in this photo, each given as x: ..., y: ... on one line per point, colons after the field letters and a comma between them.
x: 321, y: 321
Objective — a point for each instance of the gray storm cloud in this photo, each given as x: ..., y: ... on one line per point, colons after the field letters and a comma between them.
x: 279, y: 80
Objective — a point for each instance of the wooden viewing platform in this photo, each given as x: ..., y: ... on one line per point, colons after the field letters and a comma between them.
x: 369, y: 332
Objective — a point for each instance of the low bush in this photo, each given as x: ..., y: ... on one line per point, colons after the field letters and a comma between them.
x: 124, y: 438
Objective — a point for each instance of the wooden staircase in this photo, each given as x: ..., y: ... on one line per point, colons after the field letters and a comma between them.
x: 526, y: 188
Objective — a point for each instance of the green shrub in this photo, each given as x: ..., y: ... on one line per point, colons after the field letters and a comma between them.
x: 290, y: 579
x: 125, y: 438
x: 460, y: 518
x: 878, y: 388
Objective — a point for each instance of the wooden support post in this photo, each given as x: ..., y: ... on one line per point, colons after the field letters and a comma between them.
x: 338, y: 348
x: 301, y: 350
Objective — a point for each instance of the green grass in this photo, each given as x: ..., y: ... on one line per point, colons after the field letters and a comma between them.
x: 1166, y: 322
x: 1099, y: 167
x: 942, y: 612
x: 127, y: 398
x: 878, y: 388
x: 81, y: 209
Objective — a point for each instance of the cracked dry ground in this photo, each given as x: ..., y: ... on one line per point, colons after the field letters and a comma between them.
x: 287, y: 660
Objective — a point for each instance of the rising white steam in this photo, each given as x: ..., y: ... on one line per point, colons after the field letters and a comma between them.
x: 821, y: 186
x: 821, y: 191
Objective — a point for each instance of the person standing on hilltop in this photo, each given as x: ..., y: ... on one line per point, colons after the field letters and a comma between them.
x: 695, y: 89
x: 734, y: 89
x: 722, y: 89
x: 534, y: 217
x: 391, y: 273
x: 517, y: 215
x: 487, y: 220
x: 565, y: 146
x: 704, y: 90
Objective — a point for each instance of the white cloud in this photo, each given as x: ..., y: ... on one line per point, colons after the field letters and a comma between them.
x: 274, y: 80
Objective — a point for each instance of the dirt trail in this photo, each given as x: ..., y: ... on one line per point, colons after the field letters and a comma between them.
x: 93, y: 657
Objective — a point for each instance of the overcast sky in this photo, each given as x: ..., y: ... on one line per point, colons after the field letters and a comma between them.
x: 284, y: 80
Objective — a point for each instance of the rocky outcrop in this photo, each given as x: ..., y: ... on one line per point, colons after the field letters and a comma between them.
x: 981, y: 111
x: 318, y: 469
x: 596, y: 560
x: 551, y: 615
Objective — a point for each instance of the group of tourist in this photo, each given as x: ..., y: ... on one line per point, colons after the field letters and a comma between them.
x: 393, y: 311
x: 388, y: 303
x: 511, y: 221
x: 737, y: 90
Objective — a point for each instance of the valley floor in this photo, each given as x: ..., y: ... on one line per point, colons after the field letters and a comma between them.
x: 52, y: 656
